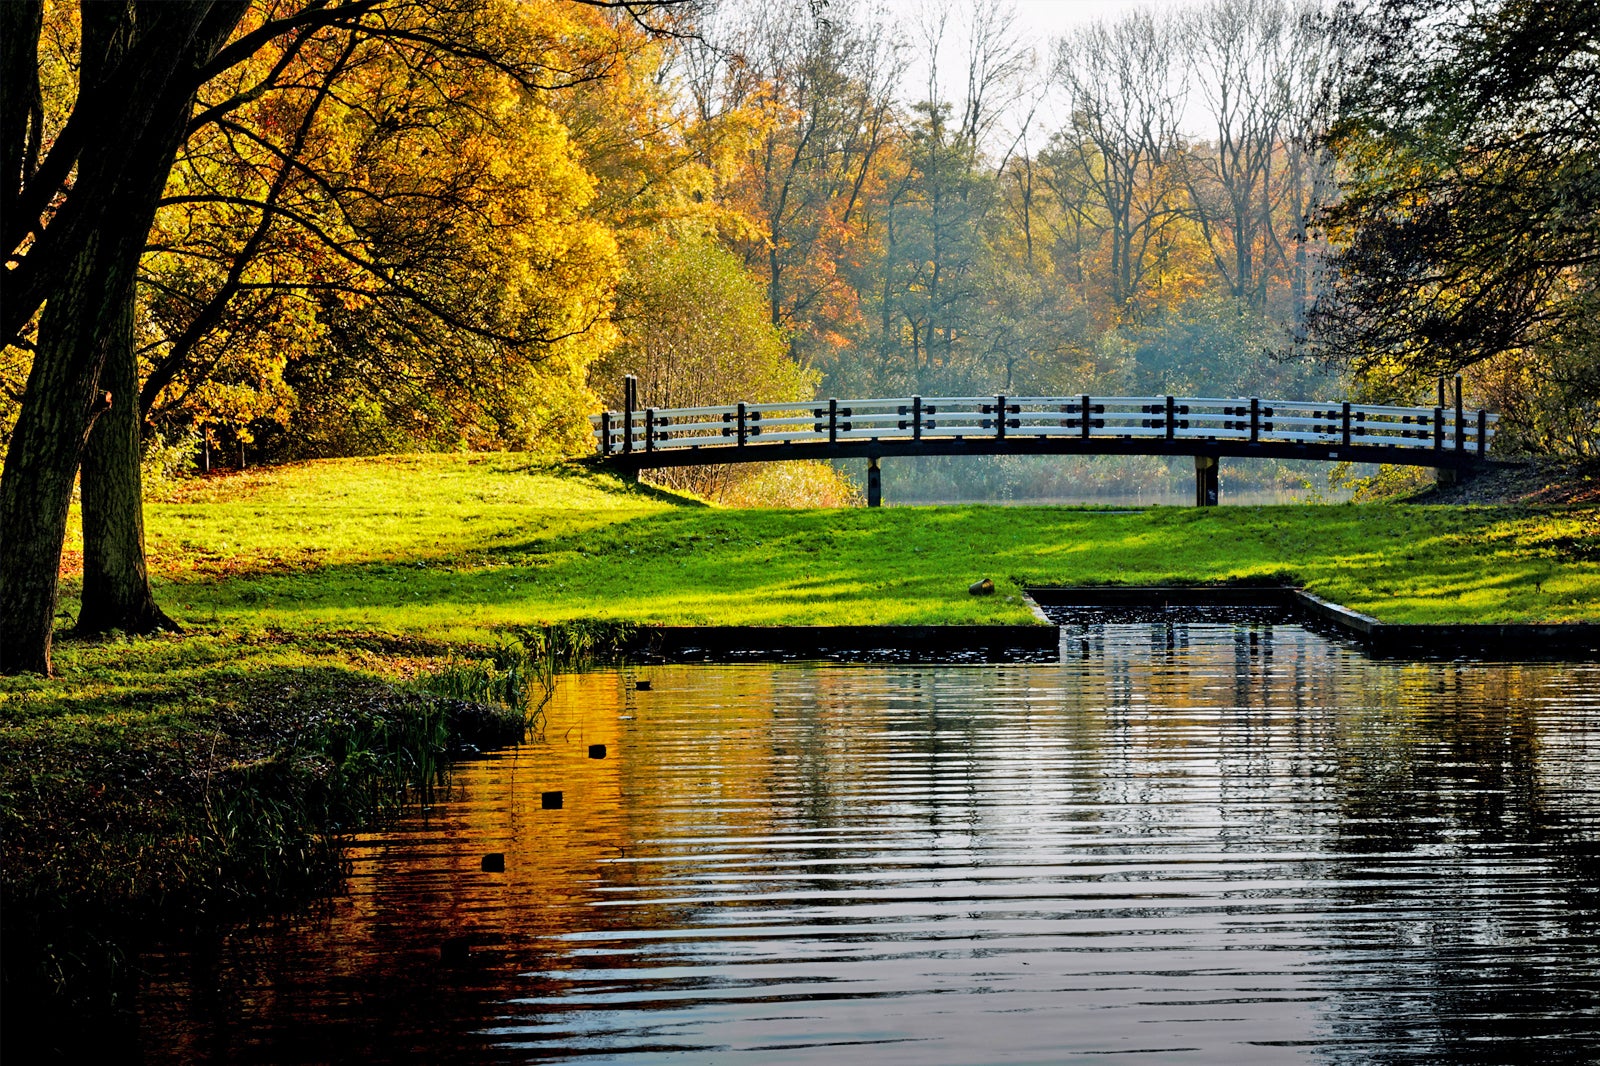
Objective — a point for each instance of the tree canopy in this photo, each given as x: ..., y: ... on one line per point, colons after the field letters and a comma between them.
x: 1469, y: 226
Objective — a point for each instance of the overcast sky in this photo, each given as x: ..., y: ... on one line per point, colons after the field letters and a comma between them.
x: 1039, y: 22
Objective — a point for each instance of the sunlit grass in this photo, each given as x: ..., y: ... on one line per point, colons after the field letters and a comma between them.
x: 386, y: 568
x: 457, y: 548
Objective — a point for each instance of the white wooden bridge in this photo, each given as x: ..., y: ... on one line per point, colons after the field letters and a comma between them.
x: 1445, y: 437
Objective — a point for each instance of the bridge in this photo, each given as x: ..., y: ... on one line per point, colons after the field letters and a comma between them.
x: 1445, y: 437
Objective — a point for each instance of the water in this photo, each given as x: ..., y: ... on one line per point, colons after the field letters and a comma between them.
x: 1142, y: 497
x: 1202, y: 843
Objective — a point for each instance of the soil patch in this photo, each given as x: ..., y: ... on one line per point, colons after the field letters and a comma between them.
x: 1532, y: 481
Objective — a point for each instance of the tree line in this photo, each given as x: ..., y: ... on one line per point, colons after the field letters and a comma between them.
x: 963, y: 244
x: 321, y: 227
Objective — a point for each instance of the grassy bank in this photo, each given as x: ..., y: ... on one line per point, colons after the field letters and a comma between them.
x: 452, y: 549
x: 215, y: 770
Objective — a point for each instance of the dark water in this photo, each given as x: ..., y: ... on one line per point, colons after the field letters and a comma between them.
x: 1187, y: 843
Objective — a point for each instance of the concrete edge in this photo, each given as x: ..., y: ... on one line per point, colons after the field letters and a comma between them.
x: 1565, y: 640
x: 1161, y: 595
x: 1041, y: 643
x: 1341, y: 616
x: 891, y: 643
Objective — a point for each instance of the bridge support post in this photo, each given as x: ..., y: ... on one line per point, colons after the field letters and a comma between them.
x: 1206, y: 482
x: 874, y: 483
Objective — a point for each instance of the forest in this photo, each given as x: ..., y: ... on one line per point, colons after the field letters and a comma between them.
x: 248, y: 232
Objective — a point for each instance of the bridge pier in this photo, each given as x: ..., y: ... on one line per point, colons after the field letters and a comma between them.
x: 1206, y: 482
x: 874, y: 483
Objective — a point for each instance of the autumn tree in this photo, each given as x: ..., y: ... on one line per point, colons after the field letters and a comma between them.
x: 75, y: 220
x: 815, y: 93
x: 396, y: 239
x: 1468, y: 235
x: 81, y: 195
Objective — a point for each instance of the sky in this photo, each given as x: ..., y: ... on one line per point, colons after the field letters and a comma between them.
x: 1038, y: 21
x: 1052, y: 18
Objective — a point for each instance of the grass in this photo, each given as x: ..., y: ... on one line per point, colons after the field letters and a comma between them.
x: 452, y: 549
x: 333, y: 608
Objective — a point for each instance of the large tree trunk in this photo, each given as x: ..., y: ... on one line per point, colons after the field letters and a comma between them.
x: 136, y: 92
x: 61, y: 403
x: 116, y: 585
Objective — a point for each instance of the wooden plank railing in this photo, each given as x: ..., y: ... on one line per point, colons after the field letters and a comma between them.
x: 926, y: 418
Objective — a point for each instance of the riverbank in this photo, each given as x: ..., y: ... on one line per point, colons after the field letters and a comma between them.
x: 319, y: 599
x: 168, y: 786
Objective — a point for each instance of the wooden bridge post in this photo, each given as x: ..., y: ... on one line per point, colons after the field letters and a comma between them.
x: 874, y: 483
x: 1085, y: 417
x: 1000, y: 417
x: 649, y: 429
x: 630, y: 396
x: 1483, y: 432
x: 1453, y: 475
x: 916, y: 418
x: 742, y: 424
x: 605, y: 432
x: 1206, y: 481
x: 1172, y: 414
x: 833, y: 421
x: 1461, y: 436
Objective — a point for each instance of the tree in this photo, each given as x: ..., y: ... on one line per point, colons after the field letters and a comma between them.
x: 1116, y: 160
x: 1243, y: 60
x: 1468, y: 235
x: 140, y: 66
x: 695, y: 332
x: 817, y: 94
x: 937, y: 267
x: 79, y: 201
x: 393, y: 229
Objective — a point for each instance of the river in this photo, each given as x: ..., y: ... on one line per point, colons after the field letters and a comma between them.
x: 1186, y: 843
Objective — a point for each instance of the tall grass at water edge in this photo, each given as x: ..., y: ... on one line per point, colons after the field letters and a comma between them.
x: 519, y: 674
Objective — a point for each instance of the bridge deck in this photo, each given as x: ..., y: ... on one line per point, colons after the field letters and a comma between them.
x: 1207, y: 427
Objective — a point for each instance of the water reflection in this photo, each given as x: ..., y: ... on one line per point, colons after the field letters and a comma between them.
x: 1197, y: 843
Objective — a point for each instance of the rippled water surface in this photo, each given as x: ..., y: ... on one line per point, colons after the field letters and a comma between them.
x: 1186, y: 843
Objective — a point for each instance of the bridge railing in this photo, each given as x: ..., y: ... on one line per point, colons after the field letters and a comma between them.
x: 1088, y: 417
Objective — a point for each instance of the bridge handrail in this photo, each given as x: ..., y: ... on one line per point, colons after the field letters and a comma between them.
x: 1330, y: 423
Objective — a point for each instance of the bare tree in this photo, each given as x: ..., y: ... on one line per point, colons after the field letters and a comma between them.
x: 1309, y: 78
x: 1126, y: 91
x: 1243, y: 55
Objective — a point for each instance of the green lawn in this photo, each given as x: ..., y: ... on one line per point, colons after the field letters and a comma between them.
x: 385, y: 566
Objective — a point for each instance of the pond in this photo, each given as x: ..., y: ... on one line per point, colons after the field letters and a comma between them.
x: 1208, y: 843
